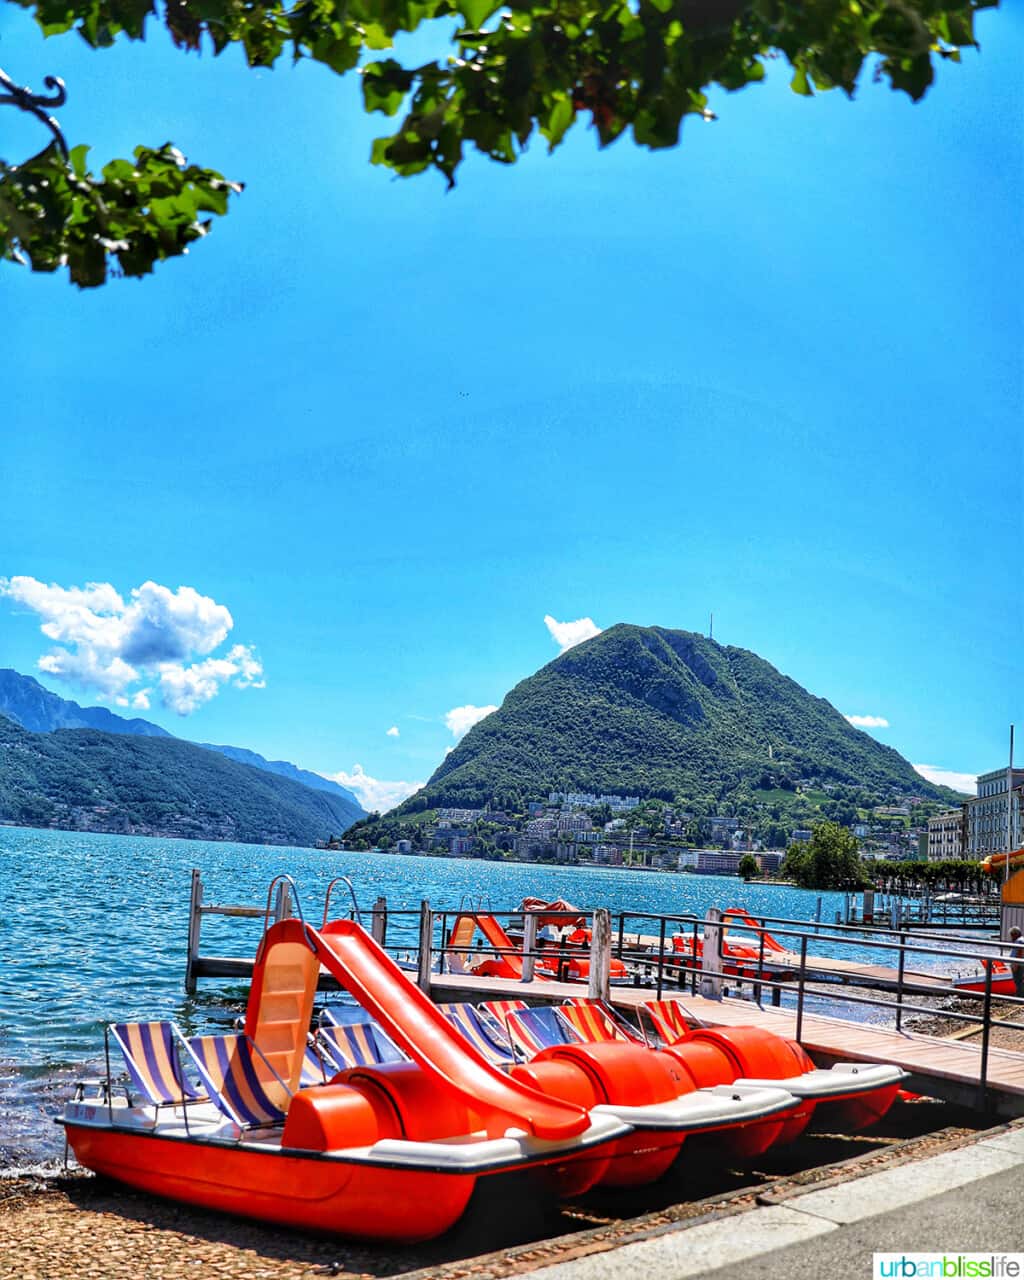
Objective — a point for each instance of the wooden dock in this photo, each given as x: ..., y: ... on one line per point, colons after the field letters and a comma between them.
x: 946, y: 1069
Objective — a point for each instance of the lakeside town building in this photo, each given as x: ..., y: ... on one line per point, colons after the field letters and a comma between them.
x: 947, y: 835
x: 986, y: 814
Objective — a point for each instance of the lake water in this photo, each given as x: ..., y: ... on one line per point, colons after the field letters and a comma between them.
x: 93, y: 929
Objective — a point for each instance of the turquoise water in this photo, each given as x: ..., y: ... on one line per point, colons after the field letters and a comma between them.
x: 93, y: 929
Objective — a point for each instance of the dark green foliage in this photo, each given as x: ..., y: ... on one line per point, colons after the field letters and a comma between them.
x: 748, y: 867
x: 512, y: 71
x: 81, y: 778
x: 963, y: 875
x: 829, y: 860
x: 532, y: 66
x: 54, y: 213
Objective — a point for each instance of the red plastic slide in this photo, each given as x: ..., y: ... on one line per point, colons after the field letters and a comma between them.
x: 416, y: 1025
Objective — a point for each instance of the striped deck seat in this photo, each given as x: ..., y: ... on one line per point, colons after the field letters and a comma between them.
x: 151, y: 1052
x: 593, y: 1022
x: 668, y: 1019
x: 488, y: 1039
x: 494, y: 1014
x: 315, y: 1070
x: 241, y: 1082
x: 354, y: 1015
x: 532, y: 1030
x: 359, y: 1044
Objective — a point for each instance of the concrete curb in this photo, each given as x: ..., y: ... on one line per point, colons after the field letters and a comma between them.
x: 689, y: 1251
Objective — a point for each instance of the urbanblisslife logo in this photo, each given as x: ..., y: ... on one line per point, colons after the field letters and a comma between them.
x: 949, y: 1266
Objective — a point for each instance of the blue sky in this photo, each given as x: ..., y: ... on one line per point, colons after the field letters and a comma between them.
x: 385, y: 431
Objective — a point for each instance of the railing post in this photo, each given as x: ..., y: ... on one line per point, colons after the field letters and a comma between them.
x: 379, y: 921
x: 426, y: 946
x: 282, y: 902
x: 529, y: 945
x: 899, y: 980
x: 195, y: 924
x: 693, y: 961
x: 711, y: 955
x: 986, y: 1028
x: 661, y: 958
x: 599, y: 985
x: 622, y: 927
x: 760, y: 966
x: 800, y: 989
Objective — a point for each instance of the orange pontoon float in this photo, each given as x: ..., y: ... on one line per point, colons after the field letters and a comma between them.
x: 390, y: 1151
x: 849, y: 1095
x: 659, y: 1098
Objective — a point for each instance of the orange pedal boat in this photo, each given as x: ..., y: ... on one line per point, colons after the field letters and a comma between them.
x: 391, y: 1151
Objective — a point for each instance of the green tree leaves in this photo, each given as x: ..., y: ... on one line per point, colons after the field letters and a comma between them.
x: 829, y: 860
x: 535, y: 66
x: 135, y: 213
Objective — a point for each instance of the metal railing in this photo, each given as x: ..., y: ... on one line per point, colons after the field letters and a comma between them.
x: 683, y: 951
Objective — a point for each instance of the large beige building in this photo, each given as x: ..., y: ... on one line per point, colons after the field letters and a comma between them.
x: 986, y: 815
x: 947, y: 835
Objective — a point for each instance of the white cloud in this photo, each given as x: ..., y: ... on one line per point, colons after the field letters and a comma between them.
x: 106, y: 644
x: 374, y: 793
x: 183, y: 689
x: 869, y: 722
x: 393, y: 732
x: 568, y: 634
x: 963, y: 782
x: 461, y: 719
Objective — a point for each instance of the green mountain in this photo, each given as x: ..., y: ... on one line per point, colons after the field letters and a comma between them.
x: 82, y: 779
x: 670, y: 715
x: 26, y: 702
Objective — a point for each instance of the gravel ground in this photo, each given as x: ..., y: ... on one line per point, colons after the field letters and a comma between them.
x: 943, y: 1023
x: 79, y: 1224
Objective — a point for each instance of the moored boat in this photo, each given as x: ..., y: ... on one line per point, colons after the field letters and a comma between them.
x: 391, y: 1151
x: 1001, y: 982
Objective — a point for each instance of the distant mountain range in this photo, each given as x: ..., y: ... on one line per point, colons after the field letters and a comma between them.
x: 25, y: 702
x: 86, y: 768
x: 85, y: 780
x: 284, y: 770
x: 671, y: 715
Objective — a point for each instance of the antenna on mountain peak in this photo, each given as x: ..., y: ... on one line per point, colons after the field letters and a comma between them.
x: 711, y: 627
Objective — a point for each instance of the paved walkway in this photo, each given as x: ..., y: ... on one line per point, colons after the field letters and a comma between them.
x: 967, y: 1200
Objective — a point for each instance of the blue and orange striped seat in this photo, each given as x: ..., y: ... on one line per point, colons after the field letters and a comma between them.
x: 151, y: 1054
x: 243, y: 1085
x: 668, y: 1019
x: 357, y: 1044
x: 532, y: 1030
x: 488, y: 1039
x: 371, y: 1043
x: 315, y: 1070
x: 595, y: 1021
